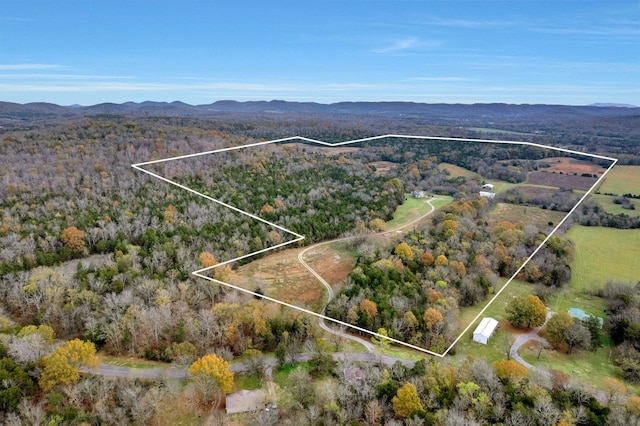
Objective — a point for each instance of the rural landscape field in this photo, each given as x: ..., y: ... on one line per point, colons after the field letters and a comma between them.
x: 340, y: 213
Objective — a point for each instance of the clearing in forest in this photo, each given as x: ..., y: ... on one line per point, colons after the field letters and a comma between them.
x: 295, y: 237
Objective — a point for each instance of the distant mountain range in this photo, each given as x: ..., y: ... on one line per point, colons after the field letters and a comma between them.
x: 11, y: 112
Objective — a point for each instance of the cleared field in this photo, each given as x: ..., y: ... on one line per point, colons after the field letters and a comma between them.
x: 455, y: 171
x: 622, y: 180
x: 606, y: 201
x: 570, y: 166
x: 604, y: 254
x: 383, y: 167
x: 561, y: 180
x: 527, y: 214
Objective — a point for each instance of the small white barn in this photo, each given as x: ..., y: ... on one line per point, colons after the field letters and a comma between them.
x: 486, y: 194
x: 488, y: 186
x: 485, y: 330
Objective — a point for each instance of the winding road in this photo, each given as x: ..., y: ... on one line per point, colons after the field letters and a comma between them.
x: 524, y: 338
x: 322, y: 322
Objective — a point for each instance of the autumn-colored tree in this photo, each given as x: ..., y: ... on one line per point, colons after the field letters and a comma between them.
x: 45, y: 331
x: 410, y: 319
x: 406, y: 403
x: 633, y: 405
x: 369, y: 307
x: 442, y: 260
x: 526, y: 311
x: 169, y: 215
x: 266, y: 209
x: 431, y: 318
x: 381, y: 341
x: 207, y: 259
x: 211, y: 377
x: 404, y: 252
x: 510, y: 370
x: 613, y: 388
x: 61, y: 367
x: 376, y: 224
x: 427, y: 258
x: 279, y: 204
x: 556, y: 327
x: 73, y: 238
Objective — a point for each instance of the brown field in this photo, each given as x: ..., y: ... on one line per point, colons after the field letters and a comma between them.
x: 527, y: 214
x: 332, y: 262
x: 570, y: 166
x: 561, y: 180
x: 536, y: 191
x: 383, y: 167
x: 282, y: 277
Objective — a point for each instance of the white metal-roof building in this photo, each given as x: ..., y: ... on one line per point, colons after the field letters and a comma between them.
x: 485, y: 330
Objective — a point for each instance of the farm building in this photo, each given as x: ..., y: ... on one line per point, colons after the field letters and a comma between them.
x: 417, y: 194
x: 485, y: 330
x: 486, y: 194
x: 488, y: 186
x: 581, y: 315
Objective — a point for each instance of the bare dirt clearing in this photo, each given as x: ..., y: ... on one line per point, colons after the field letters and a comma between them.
x: 383, y: 167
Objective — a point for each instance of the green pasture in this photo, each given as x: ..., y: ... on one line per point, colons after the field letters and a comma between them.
x: 606, y: 202
x: 413, y: 208
x: 602, y: 255
x: 456, y: 171
x: 622, y: 180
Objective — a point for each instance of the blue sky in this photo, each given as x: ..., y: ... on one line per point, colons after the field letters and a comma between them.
x: 572, y: 52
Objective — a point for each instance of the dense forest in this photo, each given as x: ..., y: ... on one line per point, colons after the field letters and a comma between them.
x: 93, y: 249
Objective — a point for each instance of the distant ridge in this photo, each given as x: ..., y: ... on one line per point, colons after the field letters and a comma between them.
x: 614, y: 105
x: 443, y: 113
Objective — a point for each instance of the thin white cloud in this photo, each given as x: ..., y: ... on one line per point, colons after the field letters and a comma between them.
x: 30, y: 67
x: 399, y: 45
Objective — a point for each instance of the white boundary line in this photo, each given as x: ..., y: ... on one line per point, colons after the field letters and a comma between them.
x: 298, y: 237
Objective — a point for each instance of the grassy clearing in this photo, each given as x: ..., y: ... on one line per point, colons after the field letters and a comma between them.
x: 604, y: 254
x: 545, y: 220
x: 455, y: 171
x: 281, y: 375
x: 413, y: 208
x: 622, y: 180
x: 130, y: 361
x: 567, y: 298
x: 242, y: 381
x: 589, y: 368
x: 606, y: 201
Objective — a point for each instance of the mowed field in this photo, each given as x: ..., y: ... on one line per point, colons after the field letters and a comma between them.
x: 622, y: 180
x: 561, y: 180
x: 604, y: 254
x: 544, y: 220
x: 455, y: 171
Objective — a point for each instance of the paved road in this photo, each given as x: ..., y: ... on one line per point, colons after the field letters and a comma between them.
x: 270, y: 362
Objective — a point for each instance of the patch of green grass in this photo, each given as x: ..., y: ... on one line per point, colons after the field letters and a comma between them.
x: 455, y: 171
x: 243, y: 381
x: 606, y: 201
x: 130, y: 362
x: 588, y: 367
x: 564, y: 299
x: 411, y: 209
x: 281, y: 374
x: 622, y: 180
x: 602, y: 255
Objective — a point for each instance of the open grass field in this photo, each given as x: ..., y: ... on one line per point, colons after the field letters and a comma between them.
x: 129, y: 361
x: 606, y: 201
x: 589, y: 368
x: 622, y: 180
x: 527, y: 214
x: 455, y: 171
x: 604, y: 254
